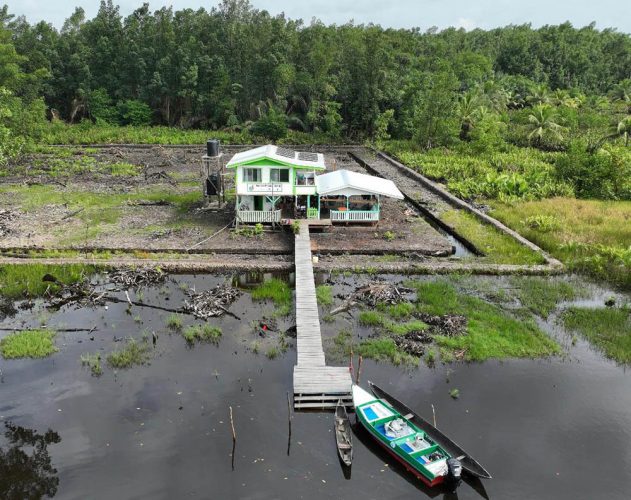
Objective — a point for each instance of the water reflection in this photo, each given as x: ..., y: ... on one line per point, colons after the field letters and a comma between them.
x: 26, y: 471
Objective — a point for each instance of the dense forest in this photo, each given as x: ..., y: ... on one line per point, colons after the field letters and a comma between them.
x: 556, y: 88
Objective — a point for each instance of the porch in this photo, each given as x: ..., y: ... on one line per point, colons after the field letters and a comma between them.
x: 258, y: 216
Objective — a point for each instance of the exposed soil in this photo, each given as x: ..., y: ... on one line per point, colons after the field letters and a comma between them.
x: 155, y: 224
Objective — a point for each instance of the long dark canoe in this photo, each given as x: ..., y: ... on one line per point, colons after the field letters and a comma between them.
x: 469, y: 464
x: 343, y: 434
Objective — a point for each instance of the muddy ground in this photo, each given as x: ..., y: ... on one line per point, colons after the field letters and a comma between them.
x: 69, y: 198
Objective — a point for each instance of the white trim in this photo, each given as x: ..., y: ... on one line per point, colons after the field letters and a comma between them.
x: 271, y: 152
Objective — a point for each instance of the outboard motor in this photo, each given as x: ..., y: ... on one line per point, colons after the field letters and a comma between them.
x: 454, y: 468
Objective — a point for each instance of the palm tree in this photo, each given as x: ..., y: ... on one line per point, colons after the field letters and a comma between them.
x: 539, y: 95
x: 621, y: 92
x: 622, y: 130
x: 468, y: 110
x: 543, y: 126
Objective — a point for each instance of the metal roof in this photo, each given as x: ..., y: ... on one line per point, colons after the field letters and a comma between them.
x: 345, y: 182
x: 279, y: 154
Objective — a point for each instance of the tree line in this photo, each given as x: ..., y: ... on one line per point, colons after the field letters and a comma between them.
x: 236, y: 67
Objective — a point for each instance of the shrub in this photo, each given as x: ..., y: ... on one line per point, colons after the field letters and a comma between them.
x: 132, y: 112
x: 272, y: 125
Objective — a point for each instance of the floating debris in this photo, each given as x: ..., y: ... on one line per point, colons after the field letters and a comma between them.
x: 138, y: 277
x: 211, y: 303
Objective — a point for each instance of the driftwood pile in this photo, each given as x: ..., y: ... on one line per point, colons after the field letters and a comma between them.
x: 5, y: 217
x: 377, y: 292
x: 139, y: 277
x: 211, y: 303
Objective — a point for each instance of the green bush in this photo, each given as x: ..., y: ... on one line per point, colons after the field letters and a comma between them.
x: 133, y: 112
x: 272, y: 125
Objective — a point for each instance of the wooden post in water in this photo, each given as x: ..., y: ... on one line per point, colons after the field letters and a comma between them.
x: 434, y: 414
x: 234, y: 437
x: 359, y: 369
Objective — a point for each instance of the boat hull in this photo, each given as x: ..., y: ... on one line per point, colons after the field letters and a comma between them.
x: 431, y: 483
x: 469, y: 464
x: 361, y: 398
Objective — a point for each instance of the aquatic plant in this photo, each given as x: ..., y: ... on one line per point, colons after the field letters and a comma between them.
x: 202, y: 333
x: 28, y: 344
x: 132, y: 354
x: 324, y: 295
x: 174, y: 322
x: 93, y: 361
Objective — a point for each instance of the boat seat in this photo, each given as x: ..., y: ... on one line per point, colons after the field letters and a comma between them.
x: 408, y: 416
x: 344, y: 446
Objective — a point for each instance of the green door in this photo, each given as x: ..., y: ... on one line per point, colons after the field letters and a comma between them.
x: 258, y: 203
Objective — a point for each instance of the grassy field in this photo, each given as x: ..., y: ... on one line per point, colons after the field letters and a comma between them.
x: 587, y: 235
x: 278, y: 292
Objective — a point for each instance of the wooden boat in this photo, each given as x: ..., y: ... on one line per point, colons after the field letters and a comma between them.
x: 405, y: 441
x: 469, y: 464
x: 343, y: 434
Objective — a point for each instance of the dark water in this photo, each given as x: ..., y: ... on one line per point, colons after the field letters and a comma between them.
x: 553, y: 429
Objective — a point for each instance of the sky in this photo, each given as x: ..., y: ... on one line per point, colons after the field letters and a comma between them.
x: 424, y: 14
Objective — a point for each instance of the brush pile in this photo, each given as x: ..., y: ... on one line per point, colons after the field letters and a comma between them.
x: 413, y: 342
x: 449, y: 325
x: 376, y: 292
x: 211, y: 303
x: 139, y: 277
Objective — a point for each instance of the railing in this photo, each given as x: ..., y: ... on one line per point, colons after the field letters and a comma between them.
x: 256, y: 216
x: 312, y: 213
x: 355, y: 215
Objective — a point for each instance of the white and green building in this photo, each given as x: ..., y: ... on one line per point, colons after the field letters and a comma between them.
x: 274, y: 183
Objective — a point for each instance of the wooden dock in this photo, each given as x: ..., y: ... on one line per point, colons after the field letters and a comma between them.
x: 315, y: 384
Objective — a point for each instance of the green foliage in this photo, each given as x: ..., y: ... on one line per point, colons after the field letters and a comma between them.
x: 592, y: 236
x: 202, y: 333
x: 541, y: 295
x: 276, y: 290
x: 384, y: 349
x: 370, y: 318
x: 133, y: 354
x: 609, y: 329
x: 174, y: 322
x: 92, y: 361
x: 133, y: 112
x: 250, y: 231
x: 324, y: 295
x: 295, y: 226
x: 272, y: 125
x: 491, y: 332
x: 389, y: 236
x: 26, y: 281
x: 498, y: 248
x: 542, y: 223
x: 514, y: 174
x: 604, y: 174
x: 28, y: 344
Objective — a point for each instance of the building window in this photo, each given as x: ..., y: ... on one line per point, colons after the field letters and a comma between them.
x: 251, y: 175
x: 305, y: 178
x: 279, y: 175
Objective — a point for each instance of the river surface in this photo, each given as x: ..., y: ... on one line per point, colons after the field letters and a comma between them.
x: 546, y: 429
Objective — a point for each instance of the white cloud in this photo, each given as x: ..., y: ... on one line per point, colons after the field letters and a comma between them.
x: 466, y: 23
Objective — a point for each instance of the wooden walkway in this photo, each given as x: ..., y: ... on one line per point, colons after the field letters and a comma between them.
x: 315, y: 384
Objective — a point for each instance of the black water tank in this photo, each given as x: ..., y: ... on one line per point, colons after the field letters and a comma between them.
x: 212, y: 184
x: 212, y: 147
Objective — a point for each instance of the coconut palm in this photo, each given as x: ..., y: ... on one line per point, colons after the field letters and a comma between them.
x: 542, y: 125
x: 468, y: 109
x: 622, y: 130
x: 539, y: 95
x: 621, y: 92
